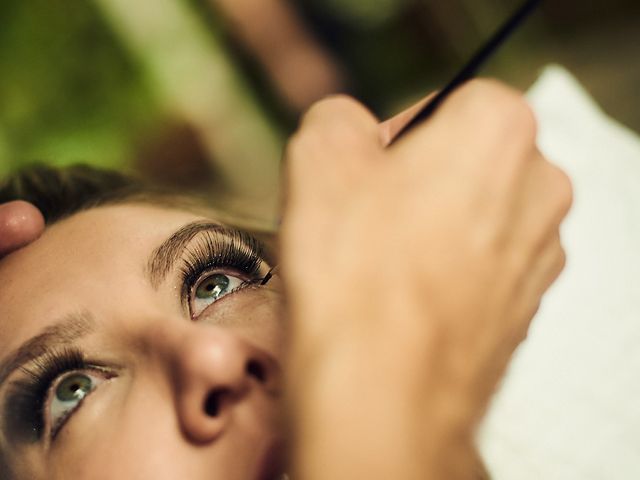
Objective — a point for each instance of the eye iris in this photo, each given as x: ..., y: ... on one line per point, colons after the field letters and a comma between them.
x: 75, y: 387
x: 213, y: 286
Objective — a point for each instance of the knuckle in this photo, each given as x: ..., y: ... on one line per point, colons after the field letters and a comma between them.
x: 562, y: 258
x: 517, y: 118
x: 483, y: 87
x: 502, y: 106
x: 524, y: 118
x: 559, y: 261
x: 489, y: 95
x: 336, y: 120
x: 563, y: 189
x: 330, y: 107
x: 341, y: 133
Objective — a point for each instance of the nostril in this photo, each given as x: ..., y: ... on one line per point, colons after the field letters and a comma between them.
x: 257, y: 371
x: 213, y: 401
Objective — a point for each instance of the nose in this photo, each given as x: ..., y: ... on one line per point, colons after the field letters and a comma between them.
x: 216, y: 372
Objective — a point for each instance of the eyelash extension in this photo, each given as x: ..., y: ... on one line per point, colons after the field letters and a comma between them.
x: 24, y: 408
x: 213, y: 250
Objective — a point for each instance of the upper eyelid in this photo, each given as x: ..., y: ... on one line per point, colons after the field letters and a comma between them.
x: 209, y: 237
x: 164, y: 258
x: 193, y: 253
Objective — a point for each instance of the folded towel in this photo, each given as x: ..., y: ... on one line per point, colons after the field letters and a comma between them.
x: 569, y: 407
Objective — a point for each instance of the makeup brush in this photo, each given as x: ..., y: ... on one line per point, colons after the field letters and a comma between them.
x: 472, y: 66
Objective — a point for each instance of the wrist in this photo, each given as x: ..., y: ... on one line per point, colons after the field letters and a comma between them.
x: 365, y: 398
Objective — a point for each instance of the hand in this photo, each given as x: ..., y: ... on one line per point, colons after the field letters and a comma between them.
x: 414, y: 269
x: 20, y: 224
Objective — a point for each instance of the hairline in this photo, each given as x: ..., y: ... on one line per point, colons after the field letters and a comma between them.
x: 192, y: 203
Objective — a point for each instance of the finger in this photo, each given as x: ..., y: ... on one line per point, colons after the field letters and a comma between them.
x: 479, y: 127
x: 544, y: 199
x: 20, y: 224
x: 546, y: 269
x: 526, y: 300
x: 391, y: 127
x: 335, y: 143
x: 337, y: 124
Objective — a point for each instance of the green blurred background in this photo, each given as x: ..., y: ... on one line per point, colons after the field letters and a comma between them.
x: 203, y: 93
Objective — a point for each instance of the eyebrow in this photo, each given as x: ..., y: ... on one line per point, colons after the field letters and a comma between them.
x: 162, y: 260
x: 69, y: 329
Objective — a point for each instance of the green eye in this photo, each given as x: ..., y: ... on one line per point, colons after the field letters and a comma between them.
x: 68, y: 394
x: 74, y: 387
x: 211, y: 289
x: 213, y: 286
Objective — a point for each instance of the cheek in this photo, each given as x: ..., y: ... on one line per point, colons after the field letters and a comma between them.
x: 131, y: 437
x: 139, y: 439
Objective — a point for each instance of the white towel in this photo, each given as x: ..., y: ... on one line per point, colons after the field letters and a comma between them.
x: 569, y: 407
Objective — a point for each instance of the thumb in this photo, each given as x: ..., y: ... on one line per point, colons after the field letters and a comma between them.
x: 391, y: 127
x: 20, y: 224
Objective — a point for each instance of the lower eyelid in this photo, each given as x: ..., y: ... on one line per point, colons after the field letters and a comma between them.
x: 55, y: 429
x: 216, y: 303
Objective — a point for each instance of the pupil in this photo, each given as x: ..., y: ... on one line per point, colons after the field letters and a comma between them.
x: 213, y: 286
x: 74, y: 388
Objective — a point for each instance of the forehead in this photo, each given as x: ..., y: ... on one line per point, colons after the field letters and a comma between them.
x: 90, y: 260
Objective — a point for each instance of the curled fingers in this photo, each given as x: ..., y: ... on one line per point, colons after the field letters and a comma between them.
x: 542, y: 201
x: 332, y: 148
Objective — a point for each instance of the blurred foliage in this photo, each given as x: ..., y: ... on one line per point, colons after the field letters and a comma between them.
x: 361, y: 14
x: 72, y: 90
x: 68, y: 92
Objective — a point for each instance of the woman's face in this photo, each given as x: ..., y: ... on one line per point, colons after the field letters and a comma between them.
x: 136, y: 342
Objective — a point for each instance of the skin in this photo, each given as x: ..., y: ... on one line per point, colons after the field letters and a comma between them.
x: 166, y: 363
x: 20, y: 224
x: 437, y: 252
x: 411, y: 275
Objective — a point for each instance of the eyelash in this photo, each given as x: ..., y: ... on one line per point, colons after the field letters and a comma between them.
x: 27, y: 401
x: 215, y: 251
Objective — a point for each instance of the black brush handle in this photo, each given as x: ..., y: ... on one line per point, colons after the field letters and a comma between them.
x: 471, y: 68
